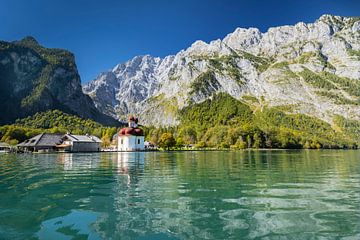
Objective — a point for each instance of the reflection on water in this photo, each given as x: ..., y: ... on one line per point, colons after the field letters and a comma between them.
x: 75, y: 224
x: 181, y: 195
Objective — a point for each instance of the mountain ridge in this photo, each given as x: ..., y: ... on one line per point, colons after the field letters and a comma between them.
x: 311, y: 67
x: 35, y: 79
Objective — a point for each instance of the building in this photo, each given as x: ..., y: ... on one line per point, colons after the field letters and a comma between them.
x: 49, y: 142
x: 149, y: 146
x: 131, y: 138
x: 4, y: 147
x: 45, y: 142
x: 79, y: 143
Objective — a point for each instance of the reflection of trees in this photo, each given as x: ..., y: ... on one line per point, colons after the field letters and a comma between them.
x: 242, y: 194
x: 151, y: 205
x: 46, y: 186
x: 194, y: 195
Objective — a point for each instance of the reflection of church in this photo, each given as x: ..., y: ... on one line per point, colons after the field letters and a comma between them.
x: 130, y: 164
x: 131, y: 138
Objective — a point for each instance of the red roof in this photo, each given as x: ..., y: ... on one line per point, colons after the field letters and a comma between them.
x: 131, y: 131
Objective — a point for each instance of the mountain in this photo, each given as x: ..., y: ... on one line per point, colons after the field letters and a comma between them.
x: 35, y: 79
x: 311, y: 69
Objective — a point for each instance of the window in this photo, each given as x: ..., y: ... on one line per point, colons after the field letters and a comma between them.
x: 121, y: 141
x: 138, y: 141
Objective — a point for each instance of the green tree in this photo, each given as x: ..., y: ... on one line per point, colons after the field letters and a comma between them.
x: 179, y: 142
x: 105, y: 141
x: 239, y: 144
x: 258, y: 141
x: 167, y: 140
x: 200, y: 144
x: 14, y: 132
x: 187, y: 134
x: 249, y: 141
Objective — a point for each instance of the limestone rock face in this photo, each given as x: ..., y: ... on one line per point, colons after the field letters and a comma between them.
x: 309, y: 68
x: 34, y: 79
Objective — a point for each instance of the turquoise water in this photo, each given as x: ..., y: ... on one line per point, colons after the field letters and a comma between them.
x: 181, y: 195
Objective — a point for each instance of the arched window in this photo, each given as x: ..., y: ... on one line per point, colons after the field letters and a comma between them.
x: 138, y: 141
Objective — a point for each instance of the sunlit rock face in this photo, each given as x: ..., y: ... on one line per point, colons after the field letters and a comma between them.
x: 309, y: 68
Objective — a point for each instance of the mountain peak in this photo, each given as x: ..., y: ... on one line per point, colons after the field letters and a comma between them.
x: 327, y: 17
x: 309, y: 66
x: 29, y: 40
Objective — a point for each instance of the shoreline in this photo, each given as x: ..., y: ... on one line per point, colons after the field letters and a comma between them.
x: 193, y: 150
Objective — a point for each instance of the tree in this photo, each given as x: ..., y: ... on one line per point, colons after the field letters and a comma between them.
x: 249, y: 141
x: 105, y: 141
x: 215, y: 136
x: 167, y: 140
x: 223, y: 145
x: 240, y: 144
x: 200, y: 144
x: 187, y: 135
x: 179, y: 142
x: 17, y: 133
x: 258, y: 142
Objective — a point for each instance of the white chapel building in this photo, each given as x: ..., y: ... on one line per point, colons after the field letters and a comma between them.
x: 131, y: 138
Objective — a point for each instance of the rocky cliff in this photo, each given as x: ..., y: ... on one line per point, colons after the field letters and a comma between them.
x: 313, y: 69
x: 35, y: 79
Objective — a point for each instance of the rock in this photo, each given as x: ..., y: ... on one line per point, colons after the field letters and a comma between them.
x: 34, y: 79
x: 356, y: 27
x: 268, y: 66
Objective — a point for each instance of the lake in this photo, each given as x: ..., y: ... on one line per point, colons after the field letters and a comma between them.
x: 274, y: 194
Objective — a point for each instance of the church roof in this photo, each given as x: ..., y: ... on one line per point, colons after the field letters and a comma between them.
x: 129, y: 131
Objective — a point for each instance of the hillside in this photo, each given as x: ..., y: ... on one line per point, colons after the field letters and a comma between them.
x: 310, y: 69
x: 224, y: 121
x: 53, y: 121
x: 35, y: 79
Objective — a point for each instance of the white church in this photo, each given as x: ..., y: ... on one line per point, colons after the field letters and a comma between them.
x: 131, y: 138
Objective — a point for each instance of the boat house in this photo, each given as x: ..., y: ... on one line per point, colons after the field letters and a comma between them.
x: 48, y: 142
x: 4, y: 147
x: 80, y: 143
x: 45, y: 142
x: 131, y: 138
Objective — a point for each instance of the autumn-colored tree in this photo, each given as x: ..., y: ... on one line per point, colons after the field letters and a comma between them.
x: 167, y: 140
x: 105, y: 141
x: 187, y: 135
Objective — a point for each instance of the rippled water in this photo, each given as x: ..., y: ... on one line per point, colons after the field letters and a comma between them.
x: 181, y: 195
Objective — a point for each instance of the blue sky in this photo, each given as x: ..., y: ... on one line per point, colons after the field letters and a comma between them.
x: 105, y: 32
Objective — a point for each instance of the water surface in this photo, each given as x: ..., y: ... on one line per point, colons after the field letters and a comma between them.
x: 181, y: 195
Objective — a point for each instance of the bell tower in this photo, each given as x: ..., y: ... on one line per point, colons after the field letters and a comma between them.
x: 133, y: 122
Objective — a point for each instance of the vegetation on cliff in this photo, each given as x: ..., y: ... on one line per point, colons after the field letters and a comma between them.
x: 224, y: 122
x: 36, y: 79
x: 53, y: 121
x: 220, y: 122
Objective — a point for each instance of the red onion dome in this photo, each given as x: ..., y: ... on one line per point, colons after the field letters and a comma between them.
x: 131, y: 131
x: 139, y: 132
x: 122, y: 131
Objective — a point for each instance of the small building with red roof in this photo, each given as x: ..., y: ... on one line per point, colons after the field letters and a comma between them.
x: 131, y: 138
